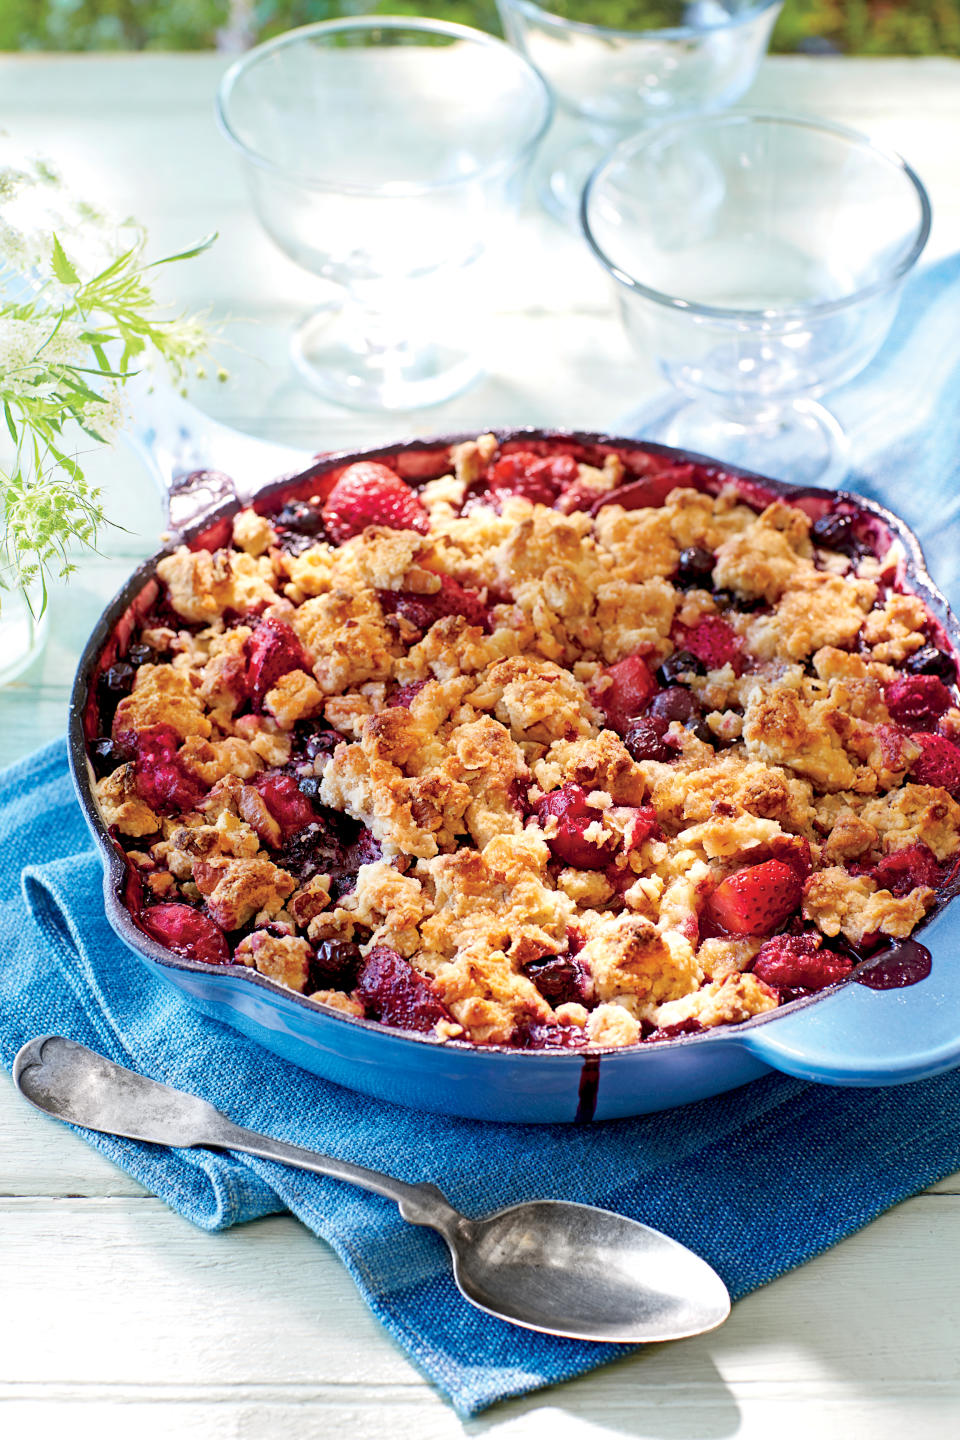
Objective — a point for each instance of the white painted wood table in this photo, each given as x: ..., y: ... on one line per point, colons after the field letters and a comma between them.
x: 117, y: 1318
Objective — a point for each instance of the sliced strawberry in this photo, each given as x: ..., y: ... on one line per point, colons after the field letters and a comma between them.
x: 755, y: 901
x: 368, y: 493
x: 792, y: 850
x: 798, y: 962
x: 713, y: 640
x: 569, y: 844
x: 539, y: 480
x: 422, y: 610
x: 939, y: 763
x: 917, y: 701
x: 632, y: 687
x: 903, y: 870
x: 272, y: 650
x: 187, y: 932
x: 289, y: 807
x: 396, y: 994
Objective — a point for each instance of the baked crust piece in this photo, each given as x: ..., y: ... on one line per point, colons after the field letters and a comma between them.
x: 420, y: 743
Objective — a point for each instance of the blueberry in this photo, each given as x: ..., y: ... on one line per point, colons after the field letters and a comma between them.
x: 695, y: 567
x: 118, y: 680
x: 321, y: 742
x: 140, y: 654
x: 679, y: 663
x: 931, y: 661
x: 724, y: 599
x: 836, y: 532
x: 105, y: 756
x: 674, y: 703
x: 702, y: 730
x: 644, y: 739
x: 300, y: 517
x: 335, y: 965
x: 309, y: 785
x: 558, y: 978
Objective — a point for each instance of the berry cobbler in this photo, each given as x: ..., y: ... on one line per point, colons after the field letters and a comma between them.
x: 564, y: 745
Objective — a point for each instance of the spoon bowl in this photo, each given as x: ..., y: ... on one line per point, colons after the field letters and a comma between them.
x: 580, y: 1271
x: 548, y: 1265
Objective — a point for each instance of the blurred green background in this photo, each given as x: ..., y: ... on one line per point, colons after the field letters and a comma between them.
x: 849, y: 27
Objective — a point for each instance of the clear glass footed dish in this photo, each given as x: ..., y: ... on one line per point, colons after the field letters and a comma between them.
x: 542, y: 743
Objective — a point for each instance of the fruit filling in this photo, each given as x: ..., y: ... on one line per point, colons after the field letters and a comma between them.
x: 556, y: 745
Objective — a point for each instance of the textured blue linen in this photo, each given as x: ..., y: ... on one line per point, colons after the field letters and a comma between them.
x: 816, y: 1162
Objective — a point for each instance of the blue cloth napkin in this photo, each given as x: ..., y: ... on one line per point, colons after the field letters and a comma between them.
x: 757, y: 1181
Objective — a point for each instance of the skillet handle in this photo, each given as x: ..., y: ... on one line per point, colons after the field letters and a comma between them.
x: 862, y: 1036
x: 196, y: 462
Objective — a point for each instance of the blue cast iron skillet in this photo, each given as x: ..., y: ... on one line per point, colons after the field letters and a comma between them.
x: 850, y: 1034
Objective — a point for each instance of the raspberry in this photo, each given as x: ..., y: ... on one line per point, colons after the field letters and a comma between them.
x: 797, y: 962
x: 537, y: 480
x: 631, y: 688
x: 396, y: 994
x: 272, y: 650
x: 755, y: 901
x: 162, y: 781
x: 285, y: 800
x: 917, y: 701
x: 903, y: 870
x: 371, y: 494
x: 713, y: 640
x: 187, y: 932
x: 939, y: 763
x: 568, y: 844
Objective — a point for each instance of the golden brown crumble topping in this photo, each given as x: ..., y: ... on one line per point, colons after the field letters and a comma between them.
x: 517, y: 773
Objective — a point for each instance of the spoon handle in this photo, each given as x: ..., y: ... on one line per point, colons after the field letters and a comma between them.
x: 421, y: 1204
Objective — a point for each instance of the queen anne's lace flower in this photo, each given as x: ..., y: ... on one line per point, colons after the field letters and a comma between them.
x: 77, y: 318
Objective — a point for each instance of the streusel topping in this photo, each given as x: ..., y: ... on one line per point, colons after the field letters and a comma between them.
x: 508, y: 761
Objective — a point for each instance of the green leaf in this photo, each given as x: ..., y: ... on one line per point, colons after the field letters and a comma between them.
x: 197, y: 249
x: 8, y: 415
x: 62, y: 268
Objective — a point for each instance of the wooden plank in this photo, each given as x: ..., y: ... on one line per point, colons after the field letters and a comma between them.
x: 872, y: 1324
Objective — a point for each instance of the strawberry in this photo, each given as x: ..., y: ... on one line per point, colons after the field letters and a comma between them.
x: 917, y: 701
x: 289, y: 807
x: 187, y: 932
x: 939, y: 763
x: 792, y: 850
x: 632, y: 687
x: 755, y: 901
x: 272, y: 650
x: 396, y: 994
x: 538, y: 480
x: 422, y: 610
x: 712, y: 640
x: 797, y: 962
x: 903, y: 870
x: 371, y: 494
x: 568, y: 844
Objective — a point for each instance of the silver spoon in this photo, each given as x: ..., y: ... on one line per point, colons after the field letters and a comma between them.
x: 548, y: 1265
